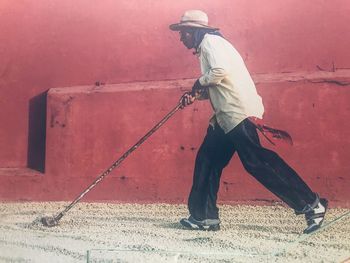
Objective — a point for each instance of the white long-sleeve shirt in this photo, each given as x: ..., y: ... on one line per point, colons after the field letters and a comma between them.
x: 231, y: 89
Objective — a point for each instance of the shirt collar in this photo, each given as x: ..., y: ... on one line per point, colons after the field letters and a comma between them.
x: 199, y: 49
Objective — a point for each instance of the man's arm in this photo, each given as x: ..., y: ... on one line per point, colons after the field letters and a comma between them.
x: 213, y: 77
x: 215, y: 60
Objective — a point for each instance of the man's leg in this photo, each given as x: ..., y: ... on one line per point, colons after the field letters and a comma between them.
x: 272, y: 171
x: 213, y: 155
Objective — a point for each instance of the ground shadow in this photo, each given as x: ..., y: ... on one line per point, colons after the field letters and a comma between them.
x: 37, y: 132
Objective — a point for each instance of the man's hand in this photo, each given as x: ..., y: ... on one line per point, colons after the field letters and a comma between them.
x: 190, y: 96
x: 187, y: 99
x: 197, y: 88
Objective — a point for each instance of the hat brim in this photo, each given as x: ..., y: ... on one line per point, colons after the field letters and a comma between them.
x: 183, y: 25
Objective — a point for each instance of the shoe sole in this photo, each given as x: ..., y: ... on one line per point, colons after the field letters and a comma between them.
x: 191, y: 226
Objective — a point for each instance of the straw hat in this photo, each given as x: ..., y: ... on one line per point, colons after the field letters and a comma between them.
x: 192, y: 18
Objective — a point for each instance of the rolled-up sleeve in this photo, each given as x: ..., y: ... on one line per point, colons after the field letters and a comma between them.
x: 213, y: 77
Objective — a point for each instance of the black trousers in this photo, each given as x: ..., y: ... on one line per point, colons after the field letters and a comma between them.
x: 265, y: 165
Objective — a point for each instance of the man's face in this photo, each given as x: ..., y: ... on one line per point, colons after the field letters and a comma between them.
x: 186, y: 37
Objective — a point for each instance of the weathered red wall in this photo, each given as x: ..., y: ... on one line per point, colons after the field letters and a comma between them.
x: 47, y: 44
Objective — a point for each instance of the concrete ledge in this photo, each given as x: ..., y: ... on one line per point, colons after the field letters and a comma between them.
x: 339, y: 76
x: 19, y: 172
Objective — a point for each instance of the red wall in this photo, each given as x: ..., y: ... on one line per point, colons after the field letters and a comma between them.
x: 48, y: 44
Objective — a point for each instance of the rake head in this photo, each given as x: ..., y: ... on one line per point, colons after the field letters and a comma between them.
x: 49, y: 221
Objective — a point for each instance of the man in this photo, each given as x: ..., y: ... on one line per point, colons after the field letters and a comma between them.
x: 226, y: 82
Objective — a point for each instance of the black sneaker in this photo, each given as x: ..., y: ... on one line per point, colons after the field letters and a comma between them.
x: 207, y: 224
x: 315, y: 217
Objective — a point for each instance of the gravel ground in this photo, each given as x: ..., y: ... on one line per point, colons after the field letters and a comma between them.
x: 102, y: 232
